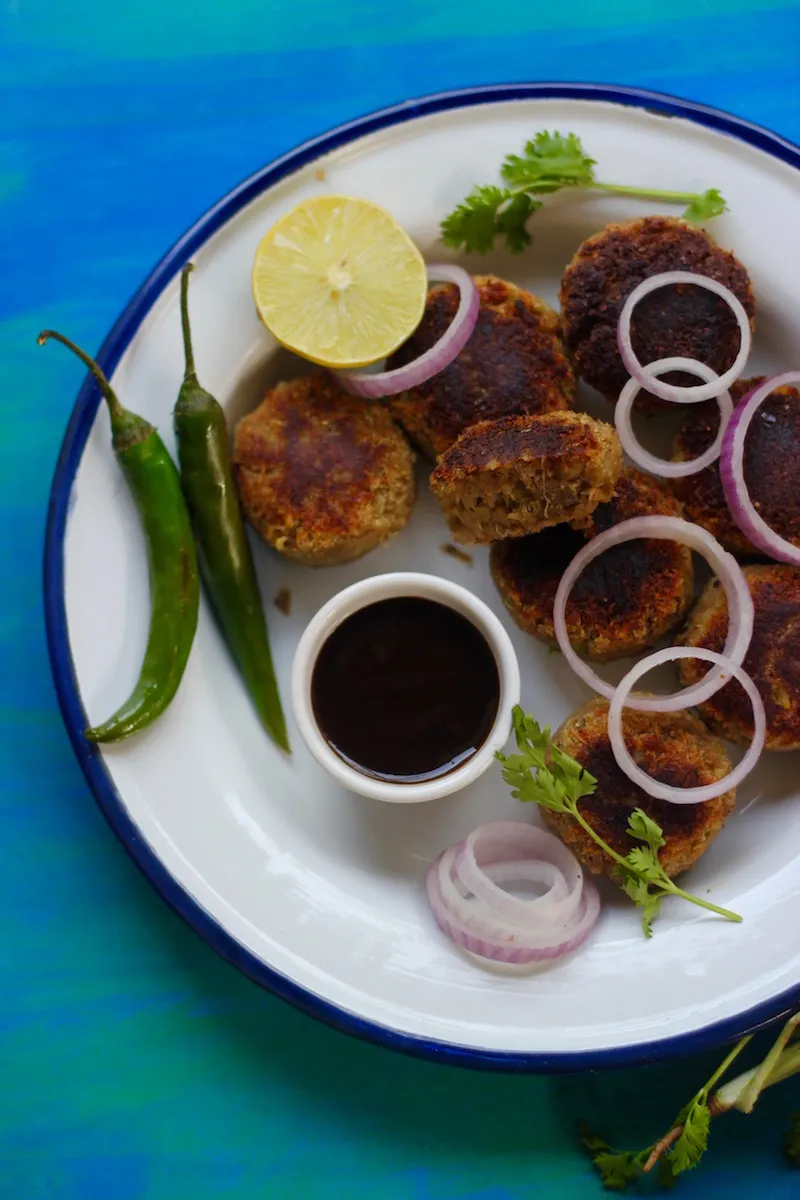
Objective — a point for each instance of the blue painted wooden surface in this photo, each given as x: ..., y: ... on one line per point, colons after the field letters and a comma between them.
x: 134, y: 1065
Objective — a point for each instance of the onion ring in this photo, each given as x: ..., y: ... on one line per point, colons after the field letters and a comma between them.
x: 633, y: 448
x: 478, y: 919
x: 512, y: 947
x: 434, y: 360
x: 740, y: 606
x: 670, y: 391
x: 482, y: 851
x: 484, y: 919
x: 664, y: 791
x: 742, y: 509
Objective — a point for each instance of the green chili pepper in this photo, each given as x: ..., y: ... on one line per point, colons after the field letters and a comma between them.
x: 226, y: 562
x: 174, y: 585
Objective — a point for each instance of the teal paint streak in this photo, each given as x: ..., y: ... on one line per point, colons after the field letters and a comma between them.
x: 179, y: 30
x: 11, y: 181
x: 134, y: 1064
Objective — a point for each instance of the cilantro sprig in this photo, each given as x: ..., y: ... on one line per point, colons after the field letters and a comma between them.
x: 616, y: 1168
x: 682, y: 1147
x: 543, y: 774
x: 679, y: 1150
x: 550, y: 161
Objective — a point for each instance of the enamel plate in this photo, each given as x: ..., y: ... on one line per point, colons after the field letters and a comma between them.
x: 317, y: 893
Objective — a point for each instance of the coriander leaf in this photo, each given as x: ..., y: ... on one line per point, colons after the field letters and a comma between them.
x: 511, y: 222
x: 636, y: 886
x: 577, y: 780
x: 704, y: 207
x: 541, y: 773
x: 689, y: 1148
x: 473, y: 224
x: 616, y: 1168
x: 638, y: 890
x: 529, y: 734
x: 644, y: 862
x: 549, y: 162
x: 633, y: 885
x: 645, y: 829
x: 650, y: 910
x: 519, y: 764
x: 791, y: 1141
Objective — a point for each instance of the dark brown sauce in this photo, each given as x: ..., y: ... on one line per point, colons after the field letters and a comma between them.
x: 405, y: 690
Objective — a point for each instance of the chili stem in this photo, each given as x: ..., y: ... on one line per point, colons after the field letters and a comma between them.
x: 114, y: 406
x: 190, y: 373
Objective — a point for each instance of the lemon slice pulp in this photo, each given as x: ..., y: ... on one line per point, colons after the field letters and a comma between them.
x: 338, y: 281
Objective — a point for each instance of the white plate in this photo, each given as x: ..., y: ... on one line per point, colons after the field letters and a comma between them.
x: 317, y: 893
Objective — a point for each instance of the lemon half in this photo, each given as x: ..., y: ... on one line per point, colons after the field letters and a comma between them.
x: 338, y: 281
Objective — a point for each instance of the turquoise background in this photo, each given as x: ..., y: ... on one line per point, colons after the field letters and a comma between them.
x: 134, y: 1064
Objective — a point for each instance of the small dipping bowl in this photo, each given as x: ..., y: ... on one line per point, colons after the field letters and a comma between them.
x: 406, y: 584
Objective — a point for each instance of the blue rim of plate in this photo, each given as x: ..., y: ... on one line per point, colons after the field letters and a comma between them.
x: 66, y: 683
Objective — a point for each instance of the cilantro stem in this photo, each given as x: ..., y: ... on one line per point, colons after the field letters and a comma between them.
x: 671, y: 1136
x: 727, y: 913
x: 618, y: 858
x: 749, y: 1095
x: 549, y: 162
x: 646, y: 193
x: 667, y: 886
x: 683, y: 1145
x: 619, y: 189
x: 661, y: 1146
x: 734, y: 1093
x: 788, y: 1064
x: 726, y: 1062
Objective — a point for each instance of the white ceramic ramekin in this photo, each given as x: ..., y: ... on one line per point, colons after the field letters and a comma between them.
x: 385, y: 587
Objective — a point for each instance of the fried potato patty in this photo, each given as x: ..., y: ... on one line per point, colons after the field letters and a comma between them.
x: 771, y: 455
x: 518, y: 475
x: 514, y: 363
x: 676, y: 749
x: 324, y: 477
x: 772, y: 661
x: 623, y: 601
x: 683, y: 320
